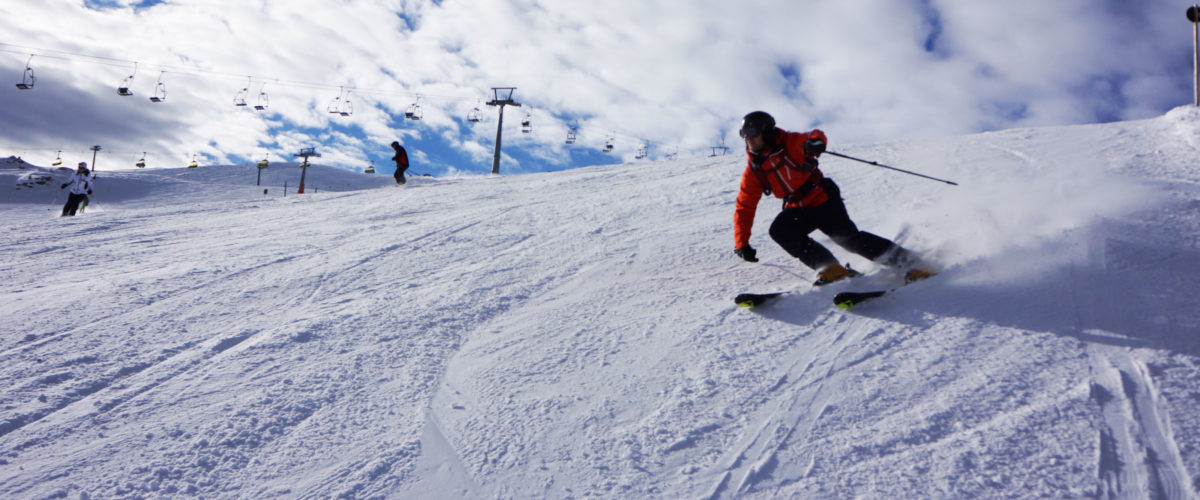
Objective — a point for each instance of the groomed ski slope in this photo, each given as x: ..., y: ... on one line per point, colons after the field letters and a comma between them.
x: 573, y: 334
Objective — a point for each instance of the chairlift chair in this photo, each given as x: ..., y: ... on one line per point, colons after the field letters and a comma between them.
x: 475, y: 116
x: 527, y: 122
x: 142, y: 162
x: 57, y: 159
x: 160, y: 90
x: 262, y: 163
x: 608, y: 144
x: 263, y: 101
x: 123, y: 87
x: 239, y: 99
x: 194, y: 163
x: 571, y: 135
x: 414, y: 111
x: 27, y: 79
x: 370, y: 168
x: 641, y: 153
x: 160, y: 93
x: 341, y: 105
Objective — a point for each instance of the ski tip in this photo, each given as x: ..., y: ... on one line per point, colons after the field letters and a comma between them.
x: 847, y: 300
x: 749, y: 300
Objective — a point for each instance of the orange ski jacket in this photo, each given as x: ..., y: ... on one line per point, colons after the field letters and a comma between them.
x: 785, y: 172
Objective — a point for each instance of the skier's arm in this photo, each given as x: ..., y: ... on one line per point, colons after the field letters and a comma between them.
x: 795, y: 145
x: 749, y: 194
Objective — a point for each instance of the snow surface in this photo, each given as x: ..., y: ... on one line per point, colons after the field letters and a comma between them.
x: 573, y: 335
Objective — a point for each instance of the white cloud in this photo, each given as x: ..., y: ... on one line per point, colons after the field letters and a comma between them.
x: 671, y: 74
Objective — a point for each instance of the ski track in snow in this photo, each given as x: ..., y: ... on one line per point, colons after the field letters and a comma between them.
x: 572, y: 334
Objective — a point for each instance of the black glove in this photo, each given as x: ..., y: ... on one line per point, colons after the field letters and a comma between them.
x: 814, y: 147
x: 747, y: 253
x: 89, y: 191
x: 64, y: 186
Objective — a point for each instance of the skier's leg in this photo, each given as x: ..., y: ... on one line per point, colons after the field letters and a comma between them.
x: 832, y: 219
x: 791, y: 229
x: 71, y: 206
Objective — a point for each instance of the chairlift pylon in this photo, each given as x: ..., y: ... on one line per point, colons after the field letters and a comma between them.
x: 123, y: 87
x: 142, y: 162
x: 27, y: 78
x: 160, y: 90
x: 720, y: 150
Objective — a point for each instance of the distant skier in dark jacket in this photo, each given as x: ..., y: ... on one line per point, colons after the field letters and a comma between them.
x: 784, y: 164
x: 81, y: 186
x: 401, y: 159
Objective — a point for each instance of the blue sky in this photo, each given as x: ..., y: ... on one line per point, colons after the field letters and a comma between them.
x: 642, y: 74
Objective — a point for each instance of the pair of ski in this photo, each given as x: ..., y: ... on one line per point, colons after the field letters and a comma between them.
x: 844, y: 300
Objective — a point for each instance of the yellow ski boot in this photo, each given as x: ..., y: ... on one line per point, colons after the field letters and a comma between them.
x: 833, y: 273
x: 918, y: 275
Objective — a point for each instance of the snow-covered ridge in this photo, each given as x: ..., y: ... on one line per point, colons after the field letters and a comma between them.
x: 573, y: 334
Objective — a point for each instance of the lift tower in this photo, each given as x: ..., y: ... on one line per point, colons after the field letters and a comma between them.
x: 305, y: 153
x: 502, y: 98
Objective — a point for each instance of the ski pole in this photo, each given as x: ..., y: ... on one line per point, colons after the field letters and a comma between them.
x: 877, y: 164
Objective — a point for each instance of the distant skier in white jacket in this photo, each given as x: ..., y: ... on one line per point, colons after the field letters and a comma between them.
x: 81, y: 187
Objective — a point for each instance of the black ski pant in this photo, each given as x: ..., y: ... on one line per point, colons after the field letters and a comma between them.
x: 73, y: 202
x: 792, y: 227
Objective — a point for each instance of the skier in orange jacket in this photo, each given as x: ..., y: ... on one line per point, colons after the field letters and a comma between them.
x: 784, y: 164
